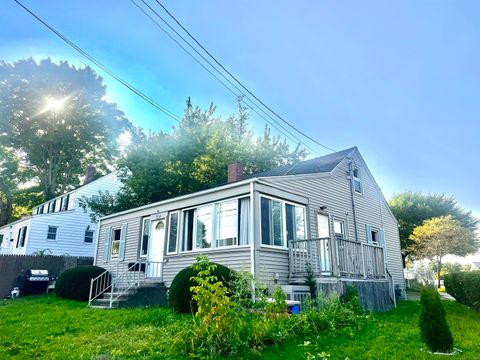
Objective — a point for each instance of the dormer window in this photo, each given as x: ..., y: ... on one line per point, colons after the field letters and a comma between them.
x: 357, y: 181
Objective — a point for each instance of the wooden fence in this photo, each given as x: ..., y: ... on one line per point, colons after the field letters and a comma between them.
x: 12, y: 267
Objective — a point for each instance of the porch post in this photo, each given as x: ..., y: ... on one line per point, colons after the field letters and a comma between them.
x: 363, y: 262
x: 334, y: 256
x: 290, y: 259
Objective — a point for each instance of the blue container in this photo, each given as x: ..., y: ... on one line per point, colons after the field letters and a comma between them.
x: 296, y: 309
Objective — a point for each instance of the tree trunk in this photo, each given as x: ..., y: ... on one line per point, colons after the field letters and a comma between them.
x: 6, y: 207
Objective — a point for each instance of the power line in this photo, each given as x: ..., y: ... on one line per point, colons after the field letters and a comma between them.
x: 251, y: 104
x: 100, y: 65
x: 236, y: 80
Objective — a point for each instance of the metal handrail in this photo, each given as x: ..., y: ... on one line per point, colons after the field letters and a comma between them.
x: 101, y: 283
x: 136, y: 269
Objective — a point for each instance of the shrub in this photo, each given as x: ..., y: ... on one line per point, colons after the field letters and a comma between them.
x: 464, y: 287
x: 180, y: 294
x: 74, y: 283
x: 433, y: 324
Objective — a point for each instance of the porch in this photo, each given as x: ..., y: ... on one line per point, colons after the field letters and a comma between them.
x: 336, y: 258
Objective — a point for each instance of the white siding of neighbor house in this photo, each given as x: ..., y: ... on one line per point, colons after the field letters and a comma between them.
x: 10, y: 237
x: 333, y: 191
x: 71, y: 224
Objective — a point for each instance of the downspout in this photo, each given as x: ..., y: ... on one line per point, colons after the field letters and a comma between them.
x: 354, y: 211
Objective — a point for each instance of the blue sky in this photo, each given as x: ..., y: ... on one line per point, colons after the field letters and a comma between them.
x: 397, y: 79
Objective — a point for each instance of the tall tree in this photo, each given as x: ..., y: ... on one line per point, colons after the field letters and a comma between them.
x: 57, y: 117
x: 194, y: 156
x: 412, y: 208
x: 442, y: 236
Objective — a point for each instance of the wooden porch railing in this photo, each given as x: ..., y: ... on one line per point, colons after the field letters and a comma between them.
x: 336, y: 257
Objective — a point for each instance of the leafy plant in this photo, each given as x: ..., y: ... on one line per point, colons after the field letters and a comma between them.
x: 433, y: 324
x: 180, y: 294
x: 278, y: 304
x: 350, y: 298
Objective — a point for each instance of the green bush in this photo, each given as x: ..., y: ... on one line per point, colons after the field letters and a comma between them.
x: 74, y: 283
x: 464, y: 287
x: 180, y: 295
x: 433, y: 324
x: 351, y: 298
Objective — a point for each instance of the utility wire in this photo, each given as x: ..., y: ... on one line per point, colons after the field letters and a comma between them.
x: 251, y: 104
x: 236, y: 80
x: 104, y: 68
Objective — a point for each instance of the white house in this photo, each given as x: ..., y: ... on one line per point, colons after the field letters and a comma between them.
x: 59, y: 226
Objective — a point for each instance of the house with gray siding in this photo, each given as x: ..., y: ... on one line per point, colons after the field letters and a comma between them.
x: 59, y: 226
x: 327, y: 213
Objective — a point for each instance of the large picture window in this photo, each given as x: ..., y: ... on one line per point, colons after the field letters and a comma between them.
x: 281, y: 221
x: 216, y: 225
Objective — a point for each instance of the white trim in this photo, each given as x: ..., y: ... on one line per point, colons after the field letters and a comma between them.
x: 168, y: 232
x: 252, y: 232
x: 206, y: 250
x: 183, y: 197
x: 96, y: 243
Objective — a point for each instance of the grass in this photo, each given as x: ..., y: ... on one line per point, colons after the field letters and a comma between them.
x: 52, y: 328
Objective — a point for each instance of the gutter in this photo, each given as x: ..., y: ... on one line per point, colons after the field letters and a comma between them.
x: 183, y: 197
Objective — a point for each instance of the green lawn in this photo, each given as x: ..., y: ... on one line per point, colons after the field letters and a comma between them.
x: 50, y: 328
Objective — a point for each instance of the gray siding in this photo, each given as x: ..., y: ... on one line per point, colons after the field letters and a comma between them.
x: 334, y: 192
x: 272, y: 266
x: 235, y: 258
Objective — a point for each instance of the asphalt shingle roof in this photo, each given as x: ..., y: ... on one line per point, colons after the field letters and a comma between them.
x: 320, y: 164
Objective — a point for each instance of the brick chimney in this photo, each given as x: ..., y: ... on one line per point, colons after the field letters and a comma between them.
x: 235, y: 172
x: 89, y: 174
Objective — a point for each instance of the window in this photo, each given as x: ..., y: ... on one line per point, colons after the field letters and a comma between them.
x: 41, y: 209
x: 145, y: 237
x: 88, y: 236
x: 204, y: 227
x: 115, y: 248
x: 339, y: 229
x: 375, y: 237
x: 281, y: 222
x: 215, y: 225
x: 1, y: 239
x: 65, y: 203
x: 52, y: 233
x: 52, y: 206
x: 226, y: 219
x: 172, y: 233
x: 357, y: 182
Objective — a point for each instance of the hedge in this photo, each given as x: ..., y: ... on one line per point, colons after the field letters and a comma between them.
x: 179, y: 294
x: 464, y: 286
x: 74, y: 283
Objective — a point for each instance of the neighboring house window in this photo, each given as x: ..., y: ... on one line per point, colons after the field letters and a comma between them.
x: 65, y: 203
x: 145, y: 237
x: 172, y: 232
x: 52, y: 206
x: 52, y: 233
x: 357, y: 181
x: 23, y: 236
x: 1, y: 239
x: 115, y: 243
x: 339, y: 229
x: 281, y: 222
x: 41, y: 209
x: 88, y: 236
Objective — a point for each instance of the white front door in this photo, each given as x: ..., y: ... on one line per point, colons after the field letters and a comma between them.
x: 156, y: 248
x: 323, y: 231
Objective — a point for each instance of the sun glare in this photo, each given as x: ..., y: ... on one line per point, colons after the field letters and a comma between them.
x: 54, y: 105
